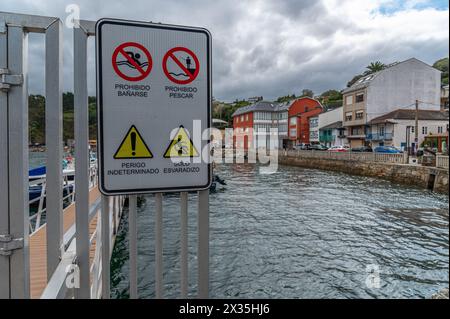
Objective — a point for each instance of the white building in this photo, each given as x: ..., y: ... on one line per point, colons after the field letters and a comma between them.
x: 397, y: 86
x: 397, y: 128
x: 314, y: 130
x: 331, y: 131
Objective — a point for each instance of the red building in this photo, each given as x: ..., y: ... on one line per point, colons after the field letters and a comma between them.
x: 299, y: 113
x: 291, y: 119
x: 243, y: 128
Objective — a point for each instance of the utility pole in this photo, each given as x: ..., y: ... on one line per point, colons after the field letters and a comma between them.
x: 416, y: 131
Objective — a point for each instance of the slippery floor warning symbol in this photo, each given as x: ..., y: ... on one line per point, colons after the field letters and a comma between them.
x: 133, y: 146
x: 132, y: 61
x: 181, y: 145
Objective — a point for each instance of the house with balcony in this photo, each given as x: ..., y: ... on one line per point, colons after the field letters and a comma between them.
x: 331, y: 130
x: 399, y: 85
x: 397, y: 128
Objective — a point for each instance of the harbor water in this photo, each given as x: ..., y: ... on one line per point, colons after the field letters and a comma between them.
x: 299, y: 233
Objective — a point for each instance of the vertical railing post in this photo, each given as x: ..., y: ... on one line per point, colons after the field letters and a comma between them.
x: 18, y: 162
x: 203, y: 244
x: 158, y: 247
x: 105, y: 245
x: 184, y: 244
x: 53, y: 137
x: 81, y: 161
x: 132, y: 233
x: 4, y: 181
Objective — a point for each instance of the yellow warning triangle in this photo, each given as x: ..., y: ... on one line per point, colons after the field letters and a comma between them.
x: 181, y: 145
x: 133, y: 146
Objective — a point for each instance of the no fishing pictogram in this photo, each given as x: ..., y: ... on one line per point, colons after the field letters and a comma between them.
x: 181, y: 65
x: 132, y: 61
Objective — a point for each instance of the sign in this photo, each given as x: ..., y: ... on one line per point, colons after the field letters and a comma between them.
x: 181, y: 146
x: 132, y: 61
x: 133, y: 146
x: 154, y: 102
x: 181, y: 65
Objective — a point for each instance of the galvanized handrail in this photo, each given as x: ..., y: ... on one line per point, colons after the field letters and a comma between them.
x: 71, y: 248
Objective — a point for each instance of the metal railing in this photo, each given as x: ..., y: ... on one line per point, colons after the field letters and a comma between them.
x: 442, y: 161
x: 379, y: 137
x: 349, y: 156
x: 70, y: 248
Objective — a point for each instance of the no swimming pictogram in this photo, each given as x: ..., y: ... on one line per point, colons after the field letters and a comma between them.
x: 181, y: 65
x: 132, y: 61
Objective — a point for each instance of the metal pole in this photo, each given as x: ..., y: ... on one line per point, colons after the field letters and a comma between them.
x: 184, y: 244
x: 53, y: 137
x: 158, y: 247
x: 416, y: 131
x: 105, y: 248
x: 4, y: 182
x: 18, y: 162
x: 203, y: 244
x: 132, y: 220
x: 81, y: 161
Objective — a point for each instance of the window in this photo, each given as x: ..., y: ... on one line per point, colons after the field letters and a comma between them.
x: 246, y: 117
x: 440, y: 129
x: 242, y: 118
x: 424, y: 130
x: 293, y: 132
x: 237, y: 119
x: 349, y: 100
x: 412, y: 129
x: 359, y: 115
x: 359, y: 98
x: 293, y: 121
x: 348, y: 116
x: 356, y: 131
x: 381, y: 130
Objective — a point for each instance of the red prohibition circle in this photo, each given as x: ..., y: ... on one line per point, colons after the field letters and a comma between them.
x: 120, y: 50
x: 170, y: 54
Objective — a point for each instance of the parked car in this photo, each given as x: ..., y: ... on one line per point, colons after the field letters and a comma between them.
x: 303, y: 146
x: 387, y: 149
x: 339, y: 148
x: 318, y: 147
x: 362, y: 149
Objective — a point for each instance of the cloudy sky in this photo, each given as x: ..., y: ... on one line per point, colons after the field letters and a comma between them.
x: 271, y: 47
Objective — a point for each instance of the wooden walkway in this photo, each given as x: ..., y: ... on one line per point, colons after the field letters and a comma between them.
x: 38, y: 247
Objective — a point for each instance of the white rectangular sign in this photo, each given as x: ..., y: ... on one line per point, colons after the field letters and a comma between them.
x: 154, y: 105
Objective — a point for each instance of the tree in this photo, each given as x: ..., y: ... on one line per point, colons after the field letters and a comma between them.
x: 286, y: 98
x: 331, y: 99
x: 353, y: 81
x: 442, y: 65
x: 374, y: 67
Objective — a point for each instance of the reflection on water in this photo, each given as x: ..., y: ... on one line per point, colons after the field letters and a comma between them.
x: 300, y: 233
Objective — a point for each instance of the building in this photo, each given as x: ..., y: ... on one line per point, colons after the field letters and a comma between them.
x: 314, y: 130
x: 252, y: 124
x: 255, y: 99
x: 397, y: 128
x: 331, y: 130
x: 444, y: 97
x: 397, y: 86
x: 299, y: 113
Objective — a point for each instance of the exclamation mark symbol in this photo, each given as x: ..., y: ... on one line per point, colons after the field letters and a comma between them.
x: 133, y: 143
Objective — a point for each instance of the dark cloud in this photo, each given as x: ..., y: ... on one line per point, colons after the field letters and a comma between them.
x: 263, y: 47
